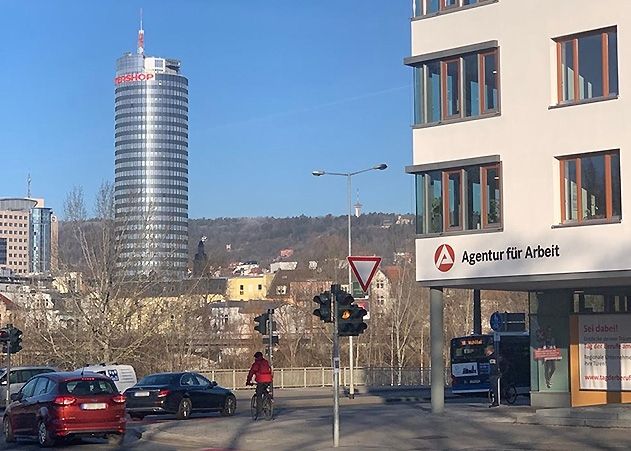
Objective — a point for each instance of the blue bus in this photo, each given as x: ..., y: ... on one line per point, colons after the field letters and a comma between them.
x: 469, y: 364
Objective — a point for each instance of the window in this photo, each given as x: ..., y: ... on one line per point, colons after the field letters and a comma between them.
x: 456, y: 87
x: 431, y: 7
x: 587, y: 66
x: 590, y: 187
x: 458, y: 199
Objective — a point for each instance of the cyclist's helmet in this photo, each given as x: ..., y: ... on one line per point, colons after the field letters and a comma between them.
x: 258, y: 354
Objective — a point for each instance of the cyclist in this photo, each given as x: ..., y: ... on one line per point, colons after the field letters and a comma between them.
x: 262, y: 372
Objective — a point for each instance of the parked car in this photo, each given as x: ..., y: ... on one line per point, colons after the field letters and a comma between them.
x: 19, y: 376
x: 179, y: 394
x: 123, y: 376
x: 59, y: 405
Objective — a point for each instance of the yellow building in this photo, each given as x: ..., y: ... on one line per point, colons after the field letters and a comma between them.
x: 245, y: 288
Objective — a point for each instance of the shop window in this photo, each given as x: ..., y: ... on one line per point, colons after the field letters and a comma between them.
x: 456, y: 88
x: 587, y: 66
x: 458, y: 199
x: 590, y: 187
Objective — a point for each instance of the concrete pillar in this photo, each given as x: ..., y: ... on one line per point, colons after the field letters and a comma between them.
x: 477, y: 313
x: 437, y: 340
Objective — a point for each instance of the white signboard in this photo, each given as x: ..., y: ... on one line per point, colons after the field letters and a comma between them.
x: 605, y: 352
x: 464, y: 369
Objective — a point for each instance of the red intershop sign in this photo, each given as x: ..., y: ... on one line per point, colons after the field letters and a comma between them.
x: 138, y: 76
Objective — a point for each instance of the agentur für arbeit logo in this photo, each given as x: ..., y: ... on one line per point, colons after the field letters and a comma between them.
x: 444, y: 257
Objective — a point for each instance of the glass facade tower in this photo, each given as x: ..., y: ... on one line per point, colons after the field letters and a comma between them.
x: 40, y: 240
x: 151, y: 175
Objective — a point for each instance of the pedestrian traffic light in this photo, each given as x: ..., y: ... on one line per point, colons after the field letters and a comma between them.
x: 350, y: 317
x: 324, y: 306
x: 15, y: 338
x: 261, y: 323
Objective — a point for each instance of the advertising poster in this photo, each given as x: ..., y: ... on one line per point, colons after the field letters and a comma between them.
x: 604, y: 348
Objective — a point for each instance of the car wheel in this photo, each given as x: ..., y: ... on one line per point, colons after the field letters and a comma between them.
x: 229, y: 406
x: 136, y: 416
x: 43, y: 435
x: 116, y: 439
x: 9, y: 437
x: 184, y: 410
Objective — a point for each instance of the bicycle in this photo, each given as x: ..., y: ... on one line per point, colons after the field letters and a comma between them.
x: 508, y: 393
x: 266, y: 408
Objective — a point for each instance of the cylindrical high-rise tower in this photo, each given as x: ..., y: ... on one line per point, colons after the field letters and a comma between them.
x: 151, y: 177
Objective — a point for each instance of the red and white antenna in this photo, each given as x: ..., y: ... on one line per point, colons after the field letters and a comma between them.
x: 141, y: 37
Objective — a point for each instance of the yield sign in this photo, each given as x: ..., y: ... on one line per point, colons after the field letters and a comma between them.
x: 364, y: 269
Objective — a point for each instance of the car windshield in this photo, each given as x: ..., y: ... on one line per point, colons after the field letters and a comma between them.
x: 88, y: 386
x: 157, y: 379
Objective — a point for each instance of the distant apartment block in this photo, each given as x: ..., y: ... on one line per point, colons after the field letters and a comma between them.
x: 28, y: 236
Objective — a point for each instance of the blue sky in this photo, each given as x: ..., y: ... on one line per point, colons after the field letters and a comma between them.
x: 277, y: 89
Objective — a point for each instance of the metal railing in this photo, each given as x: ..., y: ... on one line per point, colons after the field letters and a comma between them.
x: 323, y: 377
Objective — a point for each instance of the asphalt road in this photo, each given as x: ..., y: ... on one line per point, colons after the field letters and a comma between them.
x: 301, y: 423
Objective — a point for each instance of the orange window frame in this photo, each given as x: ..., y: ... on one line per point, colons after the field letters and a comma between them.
x: 482, y: 78
x: 604, y: 47
x: 445, y: 179
x: 579, y: 188
x: 443, y: 82
x: 484, y: 173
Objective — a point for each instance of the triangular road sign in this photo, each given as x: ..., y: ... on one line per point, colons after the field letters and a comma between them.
x: 364, y: 269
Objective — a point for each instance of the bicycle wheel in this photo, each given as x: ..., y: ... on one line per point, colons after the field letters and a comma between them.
x: 253, y: 408
x: 510, y: 394
x: 268, y: 407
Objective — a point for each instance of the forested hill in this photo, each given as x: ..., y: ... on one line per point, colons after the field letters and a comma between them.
x: 262, y: 239
x: 311, y: 238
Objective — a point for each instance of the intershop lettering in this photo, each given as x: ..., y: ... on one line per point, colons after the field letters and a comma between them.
x: 138, y: 76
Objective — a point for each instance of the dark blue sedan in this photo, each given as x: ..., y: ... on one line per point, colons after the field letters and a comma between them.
x: 178, y: 393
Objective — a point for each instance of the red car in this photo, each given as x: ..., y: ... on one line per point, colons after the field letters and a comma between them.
x: 53, y: 406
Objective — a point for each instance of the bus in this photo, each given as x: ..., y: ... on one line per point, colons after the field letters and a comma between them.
x: 470, y: 367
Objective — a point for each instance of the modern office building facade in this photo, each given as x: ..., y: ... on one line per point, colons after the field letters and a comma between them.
x: 40, y: 236
x: 28, y: 238
x: 520, y: 150
x: 151, y: 175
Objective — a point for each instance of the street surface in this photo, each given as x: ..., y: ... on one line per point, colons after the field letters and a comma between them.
x: 368, y: 422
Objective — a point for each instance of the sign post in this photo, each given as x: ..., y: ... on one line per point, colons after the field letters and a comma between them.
x: 364, y: 269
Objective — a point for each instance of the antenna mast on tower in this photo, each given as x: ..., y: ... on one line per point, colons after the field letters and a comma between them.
x: 28, y: 186
x: 141, y: 37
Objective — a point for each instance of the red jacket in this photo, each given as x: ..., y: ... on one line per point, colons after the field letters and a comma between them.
x: 261, y: 370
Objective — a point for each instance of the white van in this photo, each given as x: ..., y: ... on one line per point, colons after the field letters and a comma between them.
x: 123, y: 376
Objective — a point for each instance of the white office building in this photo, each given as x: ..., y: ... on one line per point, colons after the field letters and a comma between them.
x: 521, y: 144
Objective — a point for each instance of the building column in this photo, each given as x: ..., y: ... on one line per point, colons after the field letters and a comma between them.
x: 437, y: 341
x: 477, y: 313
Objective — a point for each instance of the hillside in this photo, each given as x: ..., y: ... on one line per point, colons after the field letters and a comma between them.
x: 311, y: 238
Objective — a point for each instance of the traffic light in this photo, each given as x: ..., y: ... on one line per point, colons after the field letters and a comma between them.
x: 324, y: 307
x: 350, y: 317
x: 5, y: 335
x: 15, y: 337
x: 261, y: 323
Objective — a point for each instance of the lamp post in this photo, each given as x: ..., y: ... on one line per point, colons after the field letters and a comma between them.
x: 349, y: 175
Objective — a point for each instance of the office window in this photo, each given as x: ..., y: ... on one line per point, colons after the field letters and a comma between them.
x: 428, y: 7
x: 459, y: 199
x: 590, y: 187
x: 456, y: 87
x: 587, y: 66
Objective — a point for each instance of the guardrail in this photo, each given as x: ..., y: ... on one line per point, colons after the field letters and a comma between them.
x: 323, y: 377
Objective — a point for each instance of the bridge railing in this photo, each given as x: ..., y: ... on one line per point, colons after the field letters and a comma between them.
x: 323, y: 377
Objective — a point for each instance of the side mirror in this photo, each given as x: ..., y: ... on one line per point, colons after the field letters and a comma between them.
x: 16, y: 396
x: 213, y: 384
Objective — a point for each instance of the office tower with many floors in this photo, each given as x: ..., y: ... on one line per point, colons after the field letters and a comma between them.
x: 151, y: 175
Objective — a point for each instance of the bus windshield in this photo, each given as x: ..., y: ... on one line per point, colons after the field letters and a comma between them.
x: 469, y: 349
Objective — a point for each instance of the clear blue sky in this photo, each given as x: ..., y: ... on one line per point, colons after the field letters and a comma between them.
x: 277, y: 89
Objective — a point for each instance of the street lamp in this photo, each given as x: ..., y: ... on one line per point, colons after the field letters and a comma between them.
x: 349, y: 175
